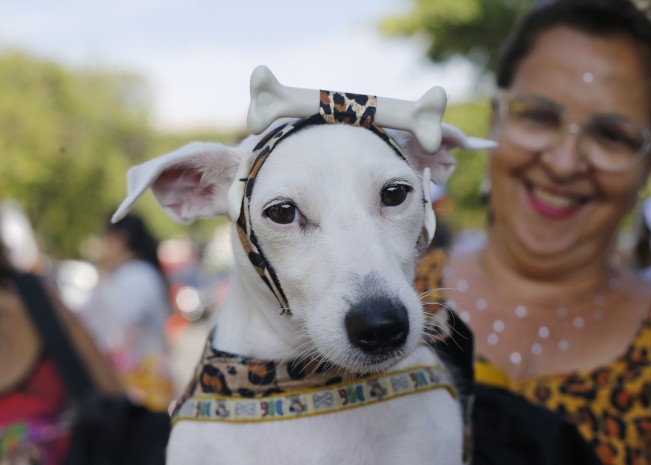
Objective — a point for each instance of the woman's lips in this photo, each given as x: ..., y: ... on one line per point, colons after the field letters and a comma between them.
x: 554, y: 204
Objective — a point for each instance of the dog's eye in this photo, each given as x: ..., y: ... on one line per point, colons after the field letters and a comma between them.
x: 282, y: 213
x: 394, y: 194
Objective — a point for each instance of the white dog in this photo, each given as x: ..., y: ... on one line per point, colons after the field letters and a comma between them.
x: 318, y: 353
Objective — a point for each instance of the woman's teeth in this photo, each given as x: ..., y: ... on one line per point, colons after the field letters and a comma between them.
x: 554, y: 200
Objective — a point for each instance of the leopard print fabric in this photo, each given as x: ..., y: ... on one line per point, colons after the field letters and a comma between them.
x: 225, y: 374
x: 428, y: 283
x: 611, y: 405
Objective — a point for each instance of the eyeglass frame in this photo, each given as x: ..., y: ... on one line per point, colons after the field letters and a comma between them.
x: 503, y: 99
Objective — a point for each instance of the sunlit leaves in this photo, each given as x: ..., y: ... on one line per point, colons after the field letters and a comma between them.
x: 474, y: 29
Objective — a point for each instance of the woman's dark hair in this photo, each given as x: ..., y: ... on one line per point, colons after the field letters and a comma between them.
x: 139, y: 240
x: 642, y: 248
x: 602, y: 18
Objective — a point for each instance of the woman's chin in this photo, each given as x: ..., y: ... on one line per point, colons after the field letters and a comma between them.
x: 546, y: 241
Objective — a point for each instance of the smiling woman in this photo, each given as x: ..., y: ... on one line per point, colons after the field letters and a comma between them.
x: 557, y: 325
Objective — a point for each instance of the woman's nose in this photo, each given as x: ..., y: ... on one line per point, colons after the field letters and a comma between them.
x: 564, y: 158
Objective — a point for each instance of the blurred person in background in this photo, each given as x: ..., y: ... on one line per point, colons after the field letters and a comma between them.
x: 562, y: 334
x: 35, y: 407
x: 128, y: 310
x: 642, y: 250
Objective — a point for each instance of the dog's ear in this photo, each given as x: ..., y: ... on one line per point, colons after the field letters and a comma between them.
x: 189, y: 183
x: 441, y: 163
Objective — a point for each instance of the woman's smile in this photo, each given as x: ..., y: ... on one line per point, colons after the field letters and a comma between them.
x: 553, y: 203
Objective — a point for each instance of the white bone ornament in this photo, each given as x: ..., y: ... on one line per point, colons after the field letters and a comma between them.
x: 271, y: 100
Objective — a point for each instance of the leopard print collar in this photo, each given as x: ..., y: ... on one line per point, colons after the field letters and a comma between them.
x: 235, y: 388
x: 334, y: 108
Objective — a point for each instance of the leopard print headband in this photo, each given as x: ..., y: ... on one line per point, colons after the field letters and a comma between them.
x: 334, y: 108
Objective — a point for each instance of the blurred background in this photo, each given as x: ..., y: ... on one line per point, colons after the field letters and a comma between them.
x: 89, y: 88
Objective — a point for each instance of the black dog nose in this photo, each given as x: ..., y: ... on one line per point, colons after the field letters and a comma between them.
x: 377, y: 325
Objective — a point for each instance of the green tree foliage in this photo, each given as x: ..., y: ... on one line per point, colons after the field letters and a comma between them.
x: 474, y: 29
x: 66, y: 139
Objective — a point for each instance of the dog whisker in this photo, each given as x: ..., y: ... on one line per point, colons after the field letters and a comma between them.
x: 311, y: 354
x: 436, y: 328
x: 438, y: 289
x: 432, y: 317
x: 429, y: 329
x: 439, y: 304
x: 443, y: 340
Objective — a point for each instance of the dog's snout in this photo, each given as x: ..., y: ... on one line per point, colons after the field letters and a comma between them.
x: 377, y: 325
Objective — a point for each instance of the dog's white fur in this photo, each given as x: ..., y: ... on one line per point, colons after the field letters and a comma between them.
x: 344, y: 246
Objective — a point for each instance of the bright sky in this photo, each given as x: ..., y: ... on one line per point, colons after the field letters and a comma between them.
x: 198, y: 55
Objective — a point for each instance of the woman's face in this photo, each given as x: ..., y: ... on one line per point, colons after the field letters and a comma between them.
x: 552, y: 201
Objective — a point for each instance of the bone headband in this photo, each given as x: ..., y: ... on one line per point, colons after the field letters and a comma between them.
x: 335, y: 108
x: 270, y: 100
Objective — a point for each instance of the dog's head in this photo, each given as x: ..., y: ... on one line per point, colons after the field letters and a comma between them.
x: 331, y: 223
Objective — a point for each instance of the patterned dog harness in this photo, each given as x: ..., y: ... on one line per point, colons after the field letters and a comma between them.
x: 233, y: 388
x: 334, y: 108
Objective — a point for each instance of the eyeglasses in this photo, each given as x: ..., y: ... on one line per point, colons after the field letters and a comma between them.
x: 609, y: 142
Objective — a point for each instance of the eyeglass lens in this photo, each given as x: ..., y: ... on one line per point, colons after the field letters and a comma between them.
x: 609, y: 142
